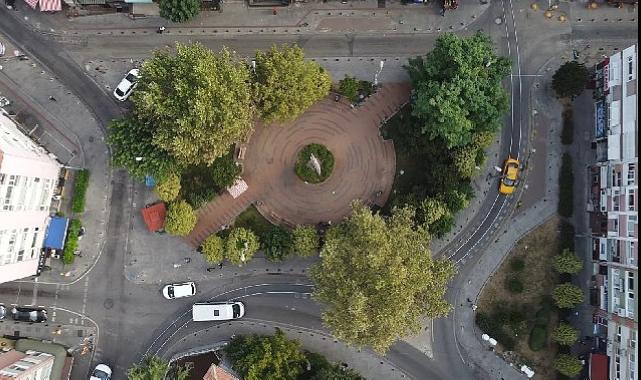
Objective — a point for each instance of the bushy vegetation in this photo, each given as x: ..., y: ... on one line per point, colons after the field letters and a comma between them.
x: 353, y: 89
x: 278, y: 243
x: 181, y: 218
x: 567, y: 133
x: 306, y: 240
x: 570, y: 79
x: 71, y: 243
x: 81, y: 182
x: 566, y: 187
x: 323, y: 155
x: 538, y: 337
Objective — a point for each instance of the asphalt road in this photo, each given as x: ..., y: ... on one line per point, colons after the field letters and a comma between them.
x: 125, y: 312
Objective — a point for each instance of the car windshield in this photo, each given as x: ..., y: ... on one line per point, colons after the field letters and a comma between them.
x: 131, y: 78
x: 99, y: 374
x: 508, y: 182
x: 119, y: 92
x: 236, y: 310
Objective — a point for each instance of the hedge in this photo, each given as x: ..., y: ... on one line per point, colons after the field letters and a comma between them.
x: 567, y: 133
x: 566, y: 187
x: 79, y: 191
x: 71, y: 243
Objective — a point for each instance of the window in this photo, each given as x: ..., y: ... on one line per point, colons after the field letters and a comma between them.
x: 631, y: 173
x: 631, y: 206
x: 615, y: 203
x: 632, y: 222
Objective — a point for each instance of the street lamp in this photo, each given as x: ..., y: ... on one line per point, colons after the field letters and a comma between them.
x: 254, y: 66
x: 381, y: 64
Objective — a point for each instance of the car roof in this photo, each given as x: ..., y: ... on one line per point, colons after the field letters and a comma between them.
x: 104, y: 368
x: 205, y: 311
x: 182, y: 289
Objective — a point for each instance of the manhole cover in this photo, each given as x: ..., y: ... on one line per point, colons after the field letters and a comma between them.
x: 109, y: 303
x: 498, y: 21
x: 91, y: 138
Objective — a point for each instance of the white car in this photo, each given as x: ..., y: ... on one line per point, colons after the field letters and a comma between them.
x: 101, y: 372
x: 127, y: 85
x: 217, y: 311
x: 185, y: 289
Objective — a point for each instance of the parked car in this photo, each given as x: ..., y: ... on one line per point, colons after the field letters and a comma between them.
x: 217, y: 311
x: 29, y: 314
x: 185, y: 289
x: 101, y: 372
x: 3, y: 311
x: 510, y: 176
x: 127, y: 85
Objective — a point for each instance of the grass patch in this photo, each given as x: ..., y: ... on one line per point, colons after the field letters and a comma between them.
x: 566, y: 187
x: 253, y: 220
x: 81, y: 182
x: 71, y: 243
x: 567, y: 133
x: 326, y: 158
x: 536, y: 251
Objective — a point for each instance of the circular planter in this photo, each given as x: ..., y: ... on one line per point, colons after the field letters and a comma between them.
x: 305, y: 172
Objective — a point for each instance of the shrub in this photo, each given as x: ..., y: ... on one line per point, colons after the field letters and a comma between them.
x: 79, y: 190
x: 570, y: 79
x: 325, y: 157
x: 278, y: 243
x: 71, y: 243
x: 567, y: 296
x: 567, y: 262
x: 568, y: 365
x: 514, y: 285
x: 566, y: 187
x: 306, y: 240
x: 490, y: 325
x: 565, y: 334
x: 181, y: 218
x: 517, y: 264
x: 179, y: 10
x: 567, y: 235
x: 213, y: 249
x: 168, y: 188
x: 351, y: 88
x: 241, y: 245
x: 567, y: 133
x: 538, y: 337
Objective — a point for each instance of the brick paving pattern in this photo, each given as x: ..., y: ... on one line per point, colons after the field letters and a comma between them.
x: 364, y: 165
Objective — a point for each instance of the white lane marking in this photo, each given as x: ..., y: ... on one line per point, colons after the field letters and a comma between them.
x: 95, y: 340
x: 509, y: 53
x: 485, y: 233
x: 477, y: 229
x: 454, y: 329
x: 518, y: 65
x: 261, y: 293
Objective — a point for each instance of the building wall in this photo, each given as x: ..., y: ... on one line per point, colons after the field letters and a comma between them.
x: 622, y: 350
x: 30, y: 365
x: 28, y: 178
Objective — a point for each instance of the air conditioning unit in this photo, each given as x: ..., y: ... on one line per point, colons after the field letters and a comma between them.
x: 622, y: 312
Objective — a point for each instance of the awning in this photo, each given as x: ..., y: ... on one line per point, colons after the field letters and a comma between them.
x: 50, y: 5
x: 32, y: 3
x: 56, y: 232
x: 598, y: 367
x: 154, y: 216
x: 238, y: 188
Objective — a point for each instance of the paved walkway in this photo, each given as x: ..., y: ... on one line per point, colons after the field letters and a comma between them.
x: 364, y: 165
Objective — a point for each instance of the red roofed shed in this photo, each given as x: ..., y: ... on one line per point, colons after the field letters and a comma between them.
x: 598, y: 367
x: 154, y: 216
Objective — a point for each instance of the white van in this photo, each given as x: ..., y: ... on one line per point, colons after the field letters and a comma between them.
x: 185, y: 289
x: 217, y: 311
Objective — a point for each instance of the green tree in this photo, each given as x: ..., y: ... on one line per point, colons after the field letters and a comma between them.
x: 181, y: 218
x: 213, y: 249
x: 349, y: 87
x: 131, y: 141
x: 567, y: 295
x: 322, y: 369
x: 168, y: 187
x: 241, y: 245
x: 306, y: 240
x: 154, y: 368
x: 225, y: 171
x: 198, y: 102
x: 179, y: 10
x: 377, y: 278
x: 568, y: 365
x: 565, y: 334
x: 458, y: 91
x: 570, y: 79
x: 286, y: 85
x: 567, y: 262
x: 278, y: 243
x: 266, y: 357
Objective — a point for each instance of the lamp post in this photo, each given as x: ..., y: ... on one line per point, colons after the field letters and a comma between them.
x: 254, y: 66
x: 381, y: 64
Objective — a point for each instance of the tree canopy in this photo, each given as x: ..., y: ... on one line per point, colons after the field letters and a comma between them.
x: 278, y: 243
x: 168, y: 187
x: 241, y: 245
x: 154, y: 368
x: 180, y: 219
x: 286, y: 85
x: 179, y: 10
x: 565, y: 334
x: 377, y: 278
x: 568, y: 365
x: 198, y: 102
x: 213, y: 249
x: 567, y: 295
x: 567, y: 262
x: 306, y: 240
x: 570, y: 79
x: 458, y: 91
x: 266, y: 357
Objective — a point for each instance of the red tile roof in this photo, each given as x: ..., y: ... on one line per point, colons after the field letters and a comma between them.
x: 217, y: 373
x: 154, y: 216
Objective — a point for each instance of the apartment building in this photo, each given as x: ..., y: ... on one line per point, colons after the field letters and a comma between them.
x: 613, y: 208
x: 29, y: 365
x: 28, y: 178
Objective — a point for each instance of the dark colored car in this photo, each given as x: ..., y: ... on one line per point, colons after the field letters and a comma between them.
x: 29, y: 314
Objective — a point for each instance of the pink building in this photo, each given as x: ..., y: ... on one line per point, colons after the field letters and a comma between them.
x: 28, y: 178
x: 30, y: 365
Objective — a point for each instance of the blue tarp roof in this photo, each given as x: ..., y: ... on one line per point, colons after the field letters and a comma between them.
x: 56, y: 232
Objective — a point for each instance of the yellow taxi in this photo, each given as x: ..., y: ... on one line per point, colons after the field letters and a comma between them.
x: 510, y: 176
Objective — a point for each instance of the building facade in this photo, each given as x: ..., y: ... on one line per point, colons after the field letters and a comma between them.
x: 28, y: 179
x: 612, y: 204
x: 30, y: 365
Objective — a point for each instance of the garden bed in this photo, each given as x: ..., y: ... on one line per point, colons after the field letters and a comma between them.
x: 530, y: 262
x: 325, y: 158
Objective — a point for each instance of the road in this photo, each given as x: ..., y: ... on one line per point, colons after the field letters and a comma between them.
x: 125, y: 311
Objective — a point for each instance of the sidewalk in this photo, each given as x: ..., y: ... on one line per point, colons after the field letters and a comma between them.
x: 68, y: 130
x: 237, y: 18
